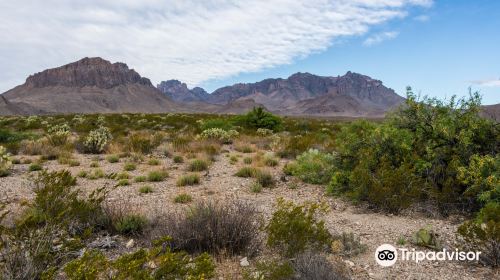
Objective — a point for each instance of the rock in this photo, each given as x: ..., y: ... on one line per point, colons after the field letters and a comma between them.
x: 130, y: 244
x: 244, y: 262
x: 349, y: 263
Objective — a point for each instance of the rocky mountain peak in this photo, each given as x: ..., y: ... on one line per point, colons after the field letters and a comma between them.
x: 179, y: 91
x: 93, y: 71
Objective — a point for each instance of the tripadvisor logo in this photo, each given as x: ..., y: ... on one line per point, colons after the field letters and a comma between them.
x: 387, y: 255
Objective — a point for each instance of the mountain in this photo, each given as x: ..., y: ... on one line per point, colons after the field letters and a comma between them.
x: 90, y: 85
x: 307, y: 94
x: 179, y: 91
x: 7, y: 108
x: 491, y: 112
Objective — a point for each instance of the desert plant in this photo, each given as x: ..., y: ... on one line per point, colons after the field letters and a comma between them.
x: 35, y: 167
x: 183, y: 198
x: 123, y: 182
x: 97, y: 140
x: 264, y: 132
x: 347, y: 244
x: 146, y: 189
x: 426, y: 237
x: 130, y: 224
x: 313, y: 167
x: 188, y: 180
x: 244, y: 149
x: 157, y: 175
x: 58, y: 134
x: 221, y: 135
x: 113, y: 158
x: 247, y: 160
x: 153, y: 161
x: 198, y: 165
x: 247, y: 172
x: 140, y: 179
x: 295, y: 228
x: 256, y: 187
x: 270, y: 160
x: 230, y: 228
x: 311, y: 265
x: 129, y: 166
x: 265, y: 179
x: 259, y: 118
x: 5, y: 162
x: 178, y: 159
x: 270, y: 270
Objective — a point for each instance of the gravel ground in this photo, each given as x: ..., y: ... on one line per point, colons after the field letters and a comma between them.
x: 219, y: 184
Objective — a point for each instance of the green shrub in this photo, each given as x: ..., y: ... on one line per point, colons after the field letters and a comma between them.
x: 82, y: 174
x: 483, y: 234
x: 157, y: 176
x: 223, y: 136
x: 313, y: 167
x: 159, y: 262
x: 270, y: 270
x: 15, y: 161
x: 146, y: 189
x: 91, y: 265
x: 233, y: 159
x: 96, y: 174
x: 58, y: 134
x: 259, y: 118
x: 264, y: 132
x: 183, y: 198
x: 140, y: 179
x: 256, y: 187
x: 97, y: 140
x: 188, y: 180
x: 122, y: 175
x: 153, y: 161
x: 129, y: 166
x: 130, y: 224
x: 270, y: 161
x: 123, y: 182
x: 113, y: 158
x: 94, y: 164
x: 247, y: 172
x: 294, y: 228
x: 35, y: 167
x: 142, y: 143
x: 178, y: 159
x: 247, y: 160
x: 265, y: 179
x: 215, y: 123
x: 198, y: 165
x: 5, y: 162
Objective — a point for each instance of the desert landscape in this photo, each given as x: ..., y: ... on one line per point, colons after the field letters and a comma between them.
x: 249, y: 140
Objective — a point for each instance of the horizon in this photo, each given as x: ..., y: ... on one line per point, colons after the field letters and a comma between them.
x: 439, y: 48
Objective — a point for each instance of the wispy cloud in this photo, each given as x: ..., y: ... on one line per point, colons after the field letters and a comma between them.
x: 380, y: 37
x: 193, y: 41
x: 487, y: 82
x: 422, y: 18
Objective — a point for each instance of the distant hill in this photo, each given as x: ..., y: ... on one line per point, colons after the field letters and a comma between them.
x: 351, y: 95
x: 90, y: 85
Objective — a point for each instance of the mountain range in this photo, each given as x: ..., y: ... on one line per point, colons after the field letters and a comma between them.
x: 95, y: 85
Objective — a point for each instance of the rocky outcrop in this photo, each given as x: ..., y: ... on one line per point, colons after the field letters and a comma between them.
x: 88, y: 72
x: 90, y: 85
x: 180, y: 92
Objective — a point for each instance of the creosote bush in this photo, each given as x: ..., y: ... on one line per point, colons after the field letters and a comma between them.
x: 295, y: 228
x: 312, y: 167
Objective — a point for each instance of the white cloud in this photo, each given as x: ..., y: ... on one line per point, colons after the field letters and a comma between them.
x: 380, y: 37
x: 193, y: 41
x: 422, y: 18
x: 487, y: 83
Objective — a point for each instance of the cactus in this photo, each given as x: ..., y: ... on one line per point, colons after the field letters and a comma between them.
x: 5, y: 162
x: 97, y: 140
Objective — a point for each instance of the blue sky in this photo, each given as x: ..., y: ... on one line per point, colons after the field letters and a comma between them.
x: 439, y: 47
x: 440, y: 51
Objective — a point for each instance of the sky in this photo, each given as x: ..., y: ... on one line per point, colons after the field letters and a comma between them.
x: 440, y: 47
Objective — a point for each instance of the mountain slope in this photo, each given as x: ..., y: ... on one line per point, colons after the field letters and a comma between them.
x: 90, y: 85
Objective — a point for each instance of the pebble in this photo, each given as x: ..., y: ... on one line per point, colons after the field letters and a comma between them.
x: 130, y: 244
x: 244, y: 262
